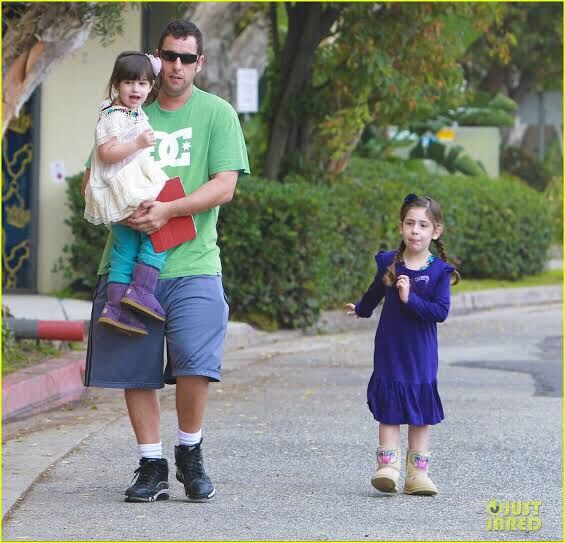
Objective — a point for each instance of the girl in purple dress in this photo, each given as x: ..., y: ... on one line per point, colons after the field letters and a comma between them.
x: 403, y: 388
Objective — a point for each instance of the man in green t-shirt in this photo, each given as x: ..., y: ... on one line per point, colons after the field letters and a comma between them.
x: 199, y: 139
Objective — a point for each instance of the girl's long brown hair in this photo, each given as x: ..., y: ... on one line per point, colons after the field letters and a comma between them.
x: 433, y: 211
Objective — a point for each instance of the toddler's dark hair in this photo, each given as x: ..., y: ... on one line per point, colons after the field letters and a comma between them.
x: 133, y: 66
x: 433, y: 211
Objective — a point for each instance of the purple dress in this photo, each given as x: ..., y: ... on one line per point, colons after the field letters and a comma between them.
x: 403, y: 387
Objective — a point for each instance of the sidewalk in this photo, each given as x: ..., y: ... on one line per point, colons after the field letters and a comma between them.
x: 59, y: 381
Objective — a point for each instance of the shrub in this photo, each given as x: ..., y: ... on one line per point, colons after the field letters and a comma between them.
x: 554, y: 195
x: 290, y: 249
x: 80, y: 259
x: 275, y: 245
x: 497, y: 228
x: 523, y: 164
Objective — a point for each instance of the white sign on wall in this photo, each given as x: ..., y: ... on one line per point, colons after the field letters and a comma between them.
x: 247, y: 90
x: 58, y: 171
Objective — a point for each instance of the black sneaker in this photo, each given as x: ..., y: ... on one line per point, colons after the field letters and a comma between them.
x: 190, y: 471
x: 152, y: 483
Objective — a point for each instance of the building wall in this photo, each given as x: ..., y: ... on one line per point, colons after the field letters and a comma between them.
x: 69, y: 102
x: 481, y: 143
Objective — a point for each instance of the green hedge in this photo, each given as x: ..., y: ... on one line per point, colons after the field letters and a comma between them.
x: 497, y: 228
x: 291, y: 249
x: 81, y: 257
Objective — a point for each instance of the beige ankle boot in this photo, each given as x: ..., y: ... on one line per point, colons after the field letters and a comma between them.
x: 417, y: 480
x: 388, y: 469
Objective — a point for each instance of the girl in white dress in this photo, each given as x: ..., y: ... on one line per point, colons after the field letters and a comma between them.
x: 123, y: 175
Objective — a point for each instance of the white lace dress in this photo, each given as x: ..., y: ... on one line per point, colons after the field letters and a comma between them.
x: 114, y: 191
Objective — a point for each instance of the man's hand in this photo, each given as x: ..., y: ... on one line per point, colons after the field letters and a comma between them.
x: 150, y: 217
x: 403, y: 286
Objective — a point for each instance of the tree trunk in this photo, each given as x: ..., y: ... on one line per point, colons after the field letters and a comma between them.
x: 33, y: 45
x: 495, y: 80
x: 224, y: 50
x: 308, y: 24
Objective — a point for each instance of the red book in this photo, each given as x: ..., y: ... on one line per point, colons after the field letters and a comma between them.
x: 178, y: 229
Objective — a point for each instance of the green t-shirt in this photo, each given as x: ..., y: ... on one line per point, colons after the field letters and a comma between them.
x: 194, y: 142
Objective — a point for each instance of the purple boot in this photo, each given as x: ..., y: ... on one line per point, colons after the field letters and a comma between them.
x: 140, y: 294
x: 120, y: 318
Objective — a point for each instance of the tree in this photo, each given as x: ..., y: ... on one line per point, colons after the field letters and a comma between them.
x: 344, y: 66
x: 308, y: 24
x: 235, y: 36
x: 521, y: 51
x: 38, y: 36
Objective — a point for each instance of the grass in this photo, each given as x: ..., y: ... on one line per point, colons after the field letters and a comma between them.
x: 20, y: 354
x: 548, y: 277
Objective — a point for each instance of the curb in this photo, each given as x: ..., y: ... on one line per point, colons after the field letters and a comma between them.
x: 58, y: 381
x: 482, y: 300
x: 43, y: 386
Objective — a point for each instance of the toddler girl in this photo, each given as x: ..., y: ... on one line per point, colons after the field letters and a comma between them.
x: 122, y: 176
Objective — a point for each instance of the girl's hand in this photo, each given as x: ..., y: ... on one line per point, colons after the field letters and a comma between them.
x: 146, y: 139
x: 403, y: 286
x: 351, y: 310
x: 150, y: 217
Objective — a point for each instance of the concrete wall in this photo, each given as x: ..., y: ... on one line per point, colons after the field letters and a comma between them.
x: 69, y: 102
x: 481, y: 143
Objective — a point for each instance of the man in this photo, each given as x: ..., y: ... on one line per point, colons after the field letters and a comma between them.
x: 199, y: 139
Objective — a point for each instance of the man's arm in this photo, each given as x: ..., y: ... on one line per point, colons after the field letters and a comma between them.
x: 219, y: 190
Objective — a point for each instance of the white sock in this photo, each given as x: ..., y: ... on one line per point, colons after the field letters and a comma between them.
x: 189, y: 439
x: 150, y: 450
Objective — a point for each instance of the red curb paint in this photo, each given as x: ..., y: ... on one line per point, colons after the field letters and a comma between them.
x: 43, y: 386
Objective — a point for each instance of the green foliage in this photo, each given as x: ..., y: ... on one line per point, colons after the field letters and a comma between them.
x: 81, y: 257
x: 390, y: 63
x: 523, y: 43
x: 107, y: 17
x: 522, y: 163
x: 289, y: 250
x: 275, y: 252
x: 554, y: 195
x: 8, y: 341
x: 453, y: 159
x: 497, y: 228
x: 485, y: 117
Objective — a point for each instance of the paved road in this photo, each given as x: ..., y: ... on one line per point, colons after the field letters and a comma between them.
x: 290, y: 445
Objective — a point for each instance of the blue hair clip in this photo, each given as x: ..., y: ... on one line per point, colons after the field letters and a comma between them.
x: 410, y: 198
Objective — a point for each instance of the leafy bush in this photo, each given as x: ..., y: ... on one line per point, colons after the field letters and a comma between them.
x: 554, y: 195
x: 81, y: 257
x: 290, y: 249
x: 497, y: 228
x: 521, y: 163
x: 8, y: 340
x: 275, y: 247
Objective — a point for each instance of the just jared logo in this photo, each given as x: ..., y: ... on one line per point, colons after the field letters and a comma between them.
x: 514, y: 515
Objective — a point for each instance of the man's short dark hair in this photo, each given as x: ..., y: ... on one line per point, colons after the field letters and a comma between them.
x: 182, y: 28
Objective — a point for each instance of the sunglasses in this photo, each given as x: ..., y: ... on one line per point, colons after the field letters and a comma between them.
x: 171, y: 56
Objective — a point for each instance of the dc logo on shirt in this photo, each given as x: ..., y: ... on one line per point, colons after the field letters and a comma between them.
x: 172, y: 149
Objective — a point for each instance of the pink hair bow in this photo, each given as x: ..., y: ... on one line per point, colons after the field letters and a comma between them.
x: 155, y: 63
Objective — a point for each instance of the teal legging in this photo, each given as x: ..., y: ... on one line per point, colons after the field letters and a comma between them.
x: 130, y: 247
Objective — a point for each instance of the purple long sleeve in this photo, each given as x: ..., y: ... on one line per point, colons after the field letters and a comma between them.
x: 436, y: 308
x: 375, y: 293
